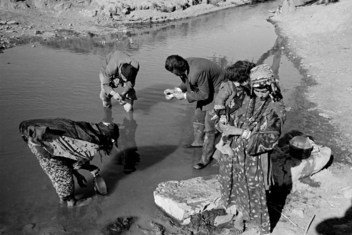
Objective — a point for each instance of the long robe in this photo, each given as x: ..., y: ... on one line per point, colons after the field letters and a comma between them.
x: 241, y: 177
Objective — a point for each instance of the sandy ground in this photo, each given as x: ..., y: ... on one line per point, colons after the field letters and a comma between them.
x: 319, y: 38
x: 320, y: 41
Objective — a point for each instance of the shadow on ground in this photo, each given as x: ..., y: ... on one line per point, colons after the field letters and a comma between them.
x: 336, y: 226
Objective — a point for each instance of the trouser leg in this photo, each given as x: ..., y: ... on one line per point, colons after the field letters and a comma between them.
x: 198, y: 129
x: 105, y: 98
x: 198, y: 135
x: 207, y: 151
x: 209, y: 143
x: 107, y: 115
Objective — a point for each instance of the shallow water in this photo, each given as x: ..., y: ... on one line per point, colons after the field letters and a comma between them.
x: 60, y: 79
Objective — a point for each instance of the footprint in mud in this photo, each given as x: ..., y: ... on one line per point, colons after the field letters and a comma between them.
x: 156, y: 229
x: 120, y: 225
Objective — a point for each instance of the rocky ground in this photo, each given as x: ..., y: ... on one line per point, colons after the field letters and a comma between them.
x: 35, y: 20
x: 319, y: 40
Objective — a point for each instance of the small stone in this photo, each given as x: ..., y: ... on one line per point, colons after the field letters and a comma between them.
x: 11, y: 22
x: 298, y: 212
x: 28, y: 228
x: 125, y: 11
x: 347, y: 193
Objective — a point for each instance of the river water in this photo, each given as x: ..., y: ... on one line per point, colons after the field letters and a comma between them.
x: 60, y: 79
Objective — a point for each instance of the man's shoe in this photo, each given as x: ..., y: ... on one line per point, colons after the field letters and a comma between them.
x: 200, y: 165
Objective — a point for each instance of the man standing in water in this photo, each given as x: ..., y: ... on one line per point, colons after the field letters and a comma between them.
x: 201, y: 79
x: 120, y: 70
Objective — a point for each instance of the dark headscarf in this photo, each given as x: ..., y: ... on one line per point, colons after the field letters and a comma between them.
x: 47, y: 129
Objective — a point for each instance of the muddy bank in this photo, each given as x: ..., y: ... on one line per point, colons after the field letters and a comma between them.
x: 318, y: 39
x: 39, y: 20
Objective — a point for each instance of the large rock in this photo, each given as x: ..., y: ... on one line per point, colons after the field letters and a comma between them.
x: 287, y: 169
x: 181, y: 199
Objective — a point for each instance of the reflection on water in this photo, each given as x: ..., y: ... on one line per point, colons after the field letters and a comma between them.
x: 129, y: 156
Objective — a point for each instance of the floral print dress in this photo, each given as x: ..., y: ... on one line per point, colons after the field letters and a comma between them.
x: 57, y: 159
x: 241, y: 177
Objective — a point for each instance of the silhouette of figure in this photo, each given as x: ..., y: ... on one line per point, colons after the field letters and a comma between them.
x: 129, y: 156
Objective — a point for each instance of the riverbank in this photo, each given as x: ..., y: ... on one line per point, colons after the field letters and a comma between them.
x: 30, y: 21
x: 318, y: 40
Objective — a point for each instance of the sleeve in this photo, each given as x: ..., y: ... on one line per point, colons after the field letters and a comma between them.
x: 201, y: 90
x: 112, y: 67
x: 105, y: 83
x: 221, y: 97
x: 108, y: 73
x: 183, y: 87
x: 128, y: 87
x: 267, y: 132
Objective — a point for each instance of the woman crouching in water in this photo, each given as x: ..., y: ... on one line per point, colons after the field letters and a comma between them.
x: 63, y: 146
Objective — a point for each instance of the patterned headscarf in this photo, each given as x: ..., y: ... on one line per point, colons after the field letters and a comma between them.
x: 261, y: 75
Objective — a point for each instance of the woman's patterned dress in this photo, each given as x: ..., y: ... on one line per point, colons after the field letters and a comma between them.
x: 241, y: 177
x: 57, y: 158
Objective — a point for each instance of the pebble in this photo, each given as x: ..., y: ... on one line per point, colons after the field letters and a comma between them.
x: 12, y: 22
x: 28, y: 228
x: 298, y: 212
x: 347, y: 193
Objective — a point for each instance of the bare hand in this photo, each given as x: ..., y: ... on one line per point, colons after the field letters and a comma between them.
x: 231, y: 210
x: 168, y: 92
x: 117, y: 96
x: 230, y: 130
x: 223, y: 127
x: 179, y: 95
x: 223, y: 119
x: 122, y: 102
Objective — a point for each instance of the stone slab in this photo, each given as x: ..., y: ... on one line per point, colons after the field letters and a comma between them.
x: 181, y: 199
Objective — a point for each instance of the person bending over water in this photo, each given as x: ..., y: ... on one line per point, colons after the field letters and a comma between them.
x: 119, y: 71
x: 200, y: 81
x: 63, y: 146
